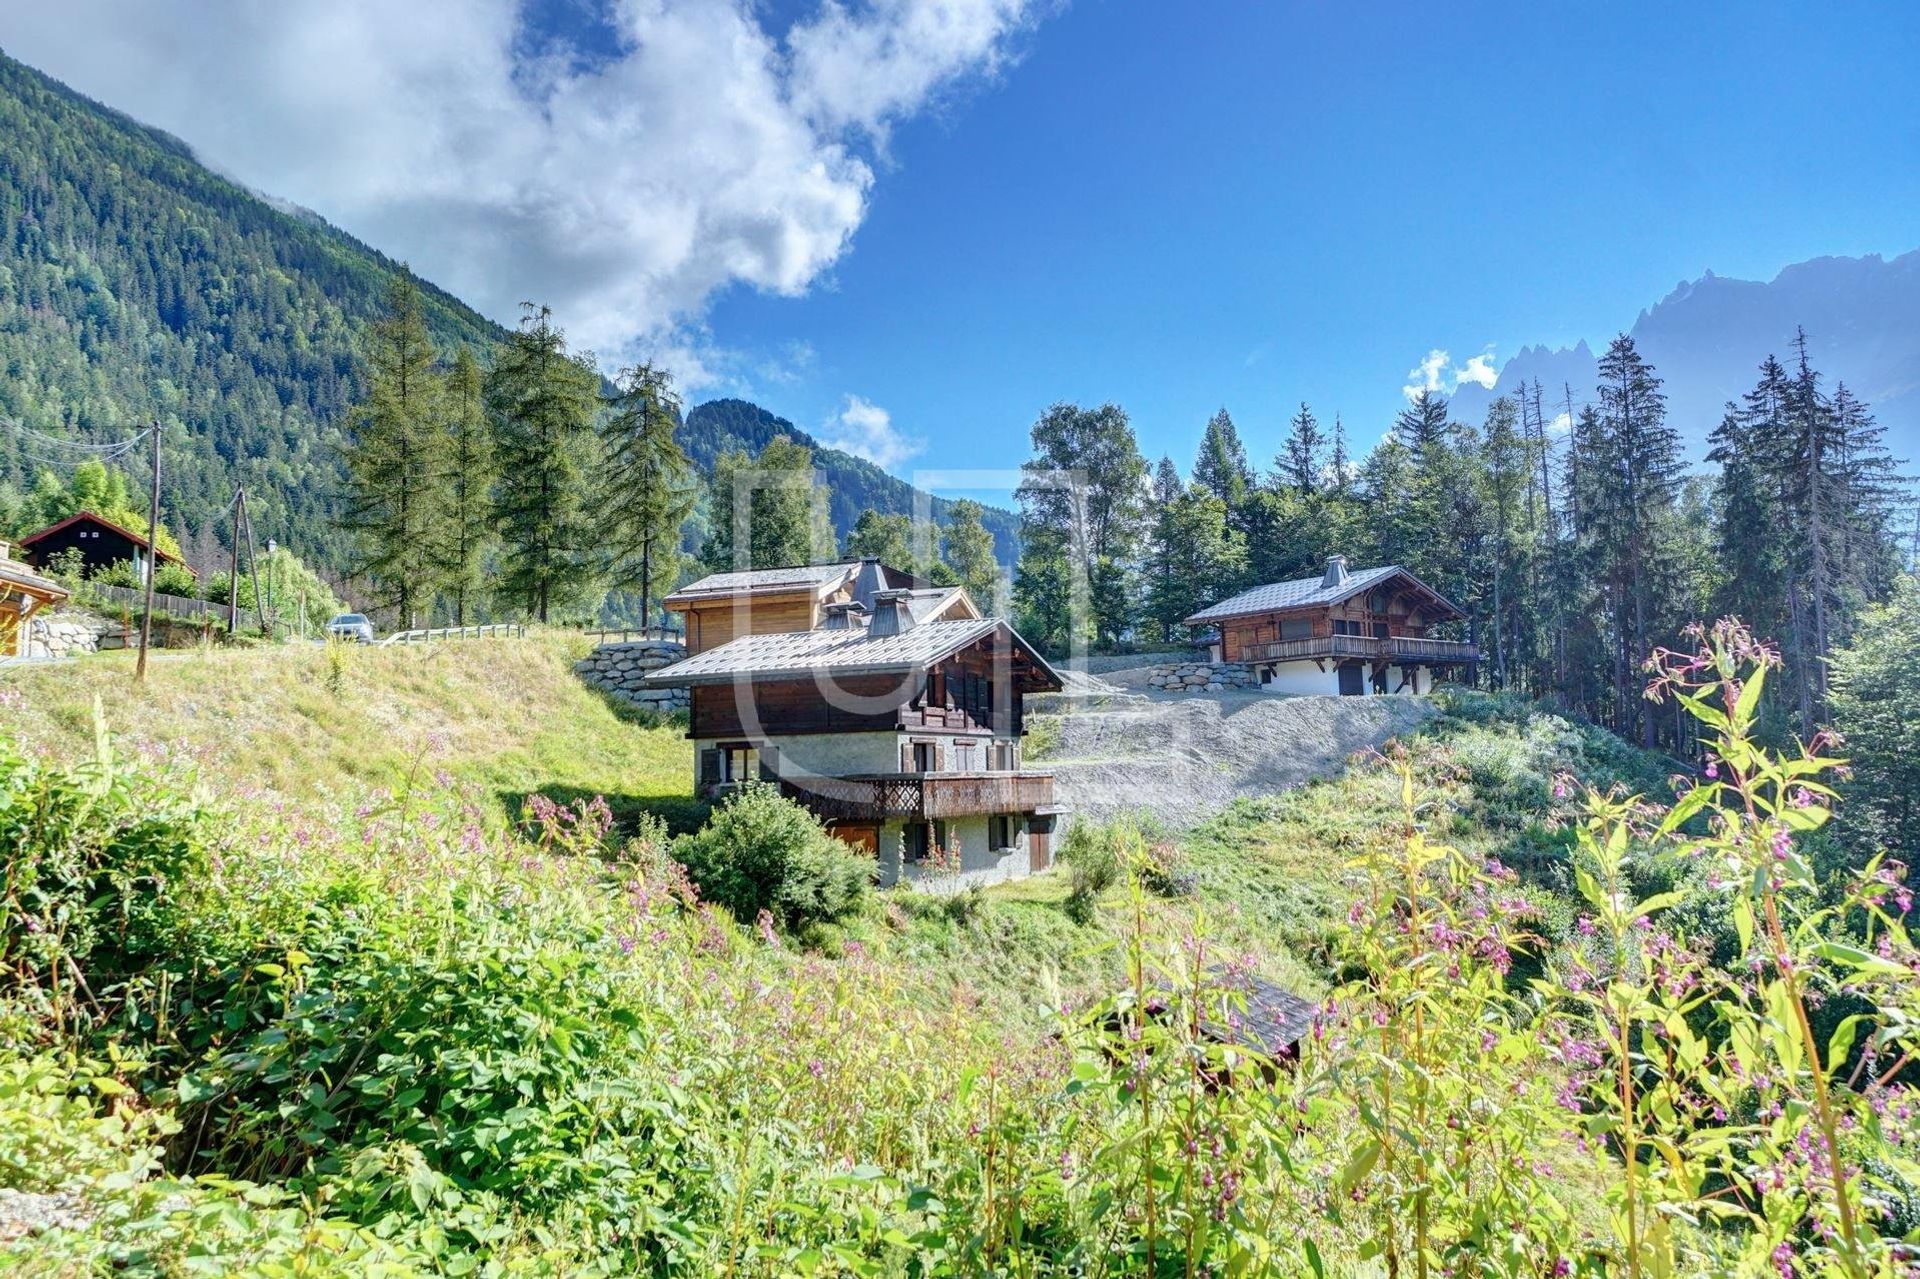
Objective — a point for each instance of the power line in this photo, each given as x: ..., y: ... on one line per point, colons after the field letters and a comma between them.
x: 80, y: 451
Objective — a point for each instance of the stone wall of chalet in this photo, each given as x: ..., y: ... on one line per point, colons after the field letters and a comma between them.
x: 620, y: 671
x: 70, y: 632
x: 1202, y: 677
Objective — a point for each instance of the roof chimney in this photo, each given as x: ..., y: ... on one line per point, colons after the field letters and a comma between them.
x: 1336, y: 572
x: 844, y: 617
x: 868, y: 581
x: 891, y: 616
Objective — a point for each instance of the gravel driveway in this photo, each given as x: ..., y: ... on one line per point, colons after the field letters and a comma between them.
x: 1122, y: 747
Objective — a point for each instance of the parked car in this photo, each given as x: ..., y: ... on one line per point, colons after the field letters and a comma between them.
x: 351, y: 626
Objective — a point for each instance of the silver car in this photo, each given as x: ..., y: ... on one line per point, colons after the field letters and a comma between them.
x: 351, y: 626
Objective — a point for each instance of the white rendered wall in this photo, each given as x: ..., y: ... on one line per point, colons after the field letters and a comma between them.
x: 978, y: 863
x: 1304, y: 679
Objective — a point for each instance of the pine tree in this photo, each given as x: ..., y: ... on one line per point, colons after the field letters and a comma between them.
x: 970, y: 553
x: 396, y: 466
x: 1422, y: 425
x: 1339, y: 465
x: 889, y: 538
x: 1221, y: 466
x: 466, y: 532
x: 543, y: 401
x: 1299, y: 465
x: 1162, y: 561
x: 1506, y: 479
x: 649, y: 486
x: 1198, y: 558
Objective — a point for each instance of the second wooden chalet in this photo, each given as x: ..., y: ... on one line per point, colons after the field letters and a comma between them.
x: 1342, y: 633
x: 98, y: 541
x: 888, y: 706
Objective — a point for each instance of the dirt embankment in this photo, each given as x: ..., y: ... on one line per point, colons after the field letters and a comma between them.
x: 1181, y: 759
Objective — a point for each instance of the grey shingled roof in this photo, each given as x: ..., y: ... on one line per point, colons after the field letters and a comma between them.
x: 767, y: 579
x: 1306, y: 592
x: 793, y: 654
x: 1273, y: 1020
x: 14, y: 573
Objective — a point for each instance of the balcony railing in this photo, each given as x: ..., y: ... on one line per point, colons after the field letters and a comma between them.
x: 1395, y: 648
x: 879, y: 797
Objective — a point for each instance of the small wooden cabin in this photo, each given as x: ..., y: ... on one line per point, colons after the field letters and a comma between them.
x: 1342, y: 633
x: 99, y: 540
x: 897, y: 717
x: 22, y: 594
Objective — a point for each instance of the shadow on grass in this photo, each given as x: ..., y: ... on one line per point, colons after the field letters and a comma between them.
x: 683, y: 814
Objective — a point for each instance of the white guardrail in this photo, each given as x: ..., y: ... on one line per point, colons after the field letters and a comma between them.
x: 514, y: 630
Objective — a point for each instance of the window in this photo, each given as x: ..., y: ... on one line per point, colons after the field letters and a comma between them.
x: 963, y: 760
x: 1294, y: 628
x: 1003, y: 757
x: 742, y: 762
x: 913, y: 842
x: 926, y: 757
x: 1003, y: 832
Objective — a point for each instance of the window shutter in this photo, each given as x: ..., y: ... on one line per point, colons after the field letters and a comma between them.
x: 769, y: 763
x: 906, y: 757
x: 709, y: 767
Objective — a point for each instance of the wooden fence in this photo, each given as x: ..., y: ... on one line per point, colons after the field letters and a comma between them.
x: 629, y: 634
x: 134, y: 601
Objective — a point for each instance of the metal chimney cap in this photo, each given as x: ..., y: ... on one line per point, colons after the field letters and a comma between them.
x: 1336, y: 571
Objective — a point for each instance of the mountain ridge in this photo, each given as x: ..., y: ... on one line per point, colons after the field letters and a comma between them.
x: 1707, y: 336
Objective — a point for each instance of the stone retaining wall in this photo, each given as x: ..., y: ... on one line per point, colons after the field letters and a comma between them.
x: 620, y: 670
x: 70, y: 632
x: 1202, y: 677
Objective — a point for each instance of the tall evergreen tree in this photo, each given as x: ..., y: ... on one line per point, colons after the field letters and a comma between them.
x: 889, y: 537
x: 1422, y: 425
x: 1161, y: 559
x: 466, y: 532
x: 396, y: 465
x: 1299, y: 464
x: 1221, y: 465
x: 543, y: 401
x: 1339, y: 464
x: 648, y: 485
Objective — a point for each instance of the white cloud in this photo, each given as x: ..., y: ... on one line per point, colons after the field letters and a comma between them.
x: 1438, y: 374
x: 1427, y: 375
x: 1479, y: 370
x: 864, y: 429
x: 623, y: 191
x: 1562, y: 423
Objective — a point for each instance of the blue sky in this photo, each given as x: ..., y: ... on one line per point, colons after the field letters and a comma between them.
x: 1257, y: 204
x: 913, y: 224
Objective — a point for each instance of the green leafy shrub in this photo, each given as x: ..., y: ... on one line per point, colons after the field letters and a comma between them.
x: 762, y: 852
x: 1095, y: 857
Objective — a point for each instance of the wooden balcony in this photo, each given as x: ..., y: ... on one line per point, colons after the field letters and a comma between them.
x: 1402, y: 649
x: 879, y: 797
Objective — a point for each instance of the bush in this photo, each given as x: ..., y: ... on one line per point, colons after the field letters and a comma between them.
x: 1093, y: 857
x: 760, y: 851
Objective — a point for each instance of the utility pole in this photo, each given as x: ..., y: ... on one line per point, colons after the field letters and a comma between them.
x: 153, y: 549
x: 253, y: 567
x: 233, y: 564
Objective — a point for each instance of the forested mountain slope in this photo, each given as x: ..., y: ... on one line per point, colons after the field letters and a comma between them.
x: 136, y: 283
x: 855, y: 483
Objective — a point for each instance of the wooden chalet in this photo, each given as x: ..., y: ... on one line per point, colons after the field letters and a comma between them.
x: 23, y: 593
x: 99, y: 540
x: 1345, y: 633
x: 894, y: 712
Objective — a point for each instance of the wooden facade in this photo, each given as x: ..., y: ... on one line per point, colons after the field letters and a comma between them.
x: 99, y: 542
x: 711, y: 623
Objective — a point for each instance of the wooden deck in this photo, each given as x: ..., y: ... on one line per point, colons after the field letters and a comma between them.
x: 876, y: 797
x: 1402, y: 649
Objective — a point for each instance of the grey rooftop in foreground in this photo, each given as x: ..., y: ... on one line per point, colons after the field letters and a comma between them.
x: 843, y: 650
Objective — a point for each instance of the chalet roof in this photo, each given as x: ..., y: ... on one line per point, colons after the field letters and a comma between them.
x: 796, y: 654
x: 16, y: 577
x: 89, y: 517
x: 819, y: 578
x: 1273, y: 1020
x: 1313, y: 592
x: 933, y: 601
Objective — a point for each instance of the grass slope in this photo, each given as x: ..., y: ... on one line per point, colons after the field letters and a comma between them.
x: 309, y: 723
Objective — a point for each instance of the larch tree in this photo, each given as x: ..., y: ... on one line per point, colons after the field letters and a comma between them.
x: 888, y: 537
x: 397, y: 475
x: 648, y: 486
x: 543, y: 401
x: 767, y: 511
x: 466, y: 533
x: 1221, y: 465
